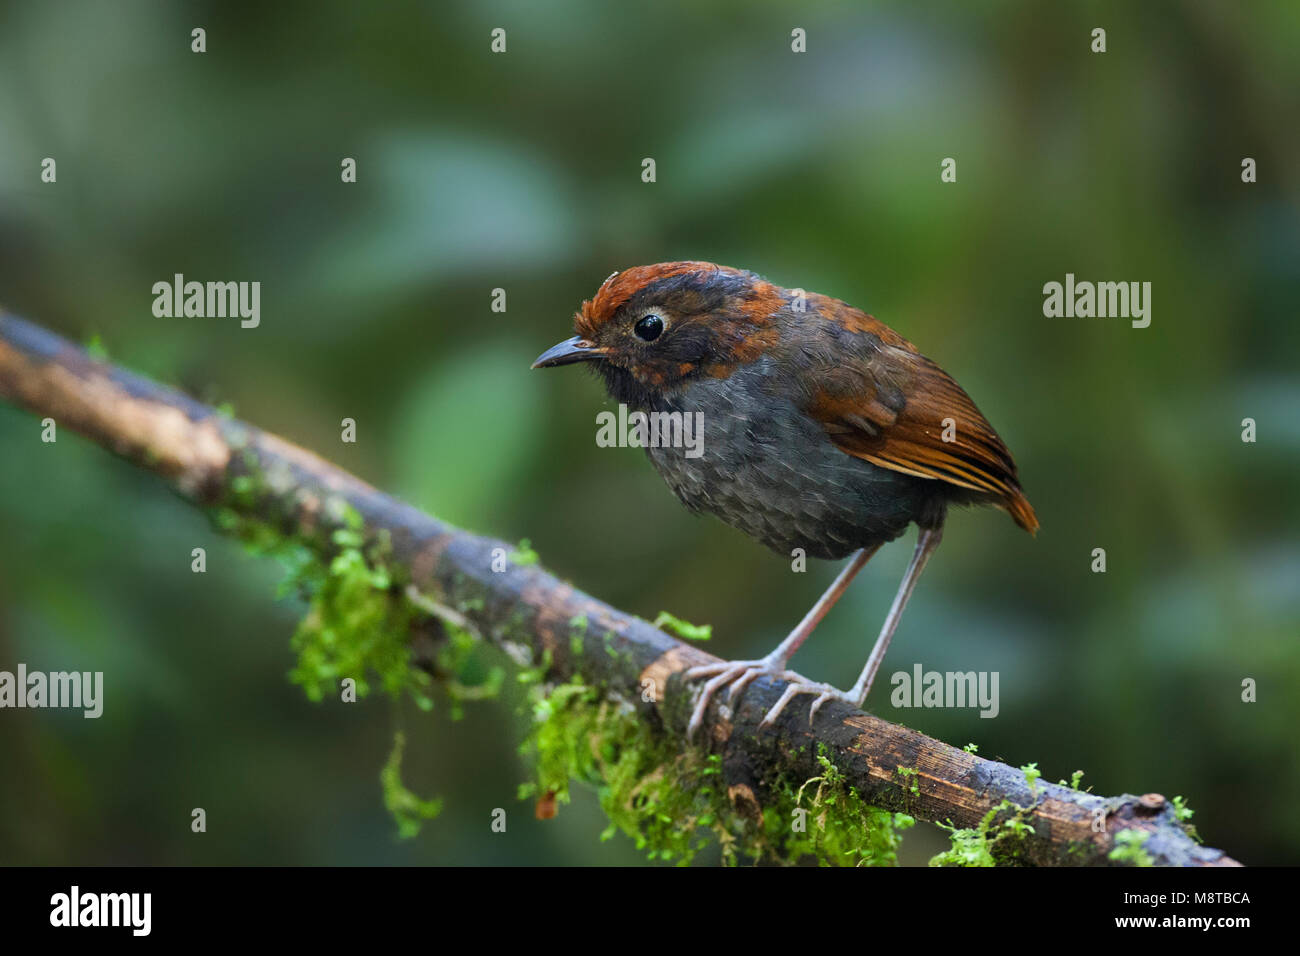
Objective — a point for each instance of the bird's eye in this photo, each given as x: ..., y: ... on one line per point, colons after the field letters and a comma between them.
x: 649, y: 327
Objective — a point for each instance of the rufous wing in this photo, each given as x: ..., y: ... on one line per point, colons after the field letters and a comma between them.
x: 897, y: 409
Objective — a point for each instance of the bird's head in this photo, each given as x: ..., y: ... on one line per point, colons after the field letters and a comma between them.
x: 651, y: 329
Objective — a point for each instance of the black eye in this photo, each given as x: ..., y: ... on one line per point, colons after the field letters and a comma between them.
x: 649, y: 327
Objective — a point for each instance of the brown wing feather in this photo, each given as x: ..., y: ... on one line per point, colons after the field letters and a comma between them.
x: 889, y: 405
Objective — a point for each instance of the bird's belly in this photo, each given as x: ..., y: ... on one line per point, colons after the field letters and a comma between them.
x: 767, y: 469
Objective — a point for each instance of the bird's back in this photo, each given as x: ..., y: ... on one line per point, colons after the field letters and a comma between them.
x: 878, y: 399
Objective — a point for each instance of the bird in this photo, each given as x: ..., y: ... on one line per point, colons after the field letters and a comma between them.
x: 825, y: 432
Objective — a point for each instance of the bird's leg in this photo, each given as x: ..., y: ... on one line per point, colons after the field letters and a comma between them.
x: 926, y: 542
x: 740, y: 673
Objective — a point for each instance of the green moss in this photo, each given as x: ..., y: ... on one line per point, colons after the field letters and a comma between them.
x: 468, y: 676
x: 1073, y: 783
x: 1130, y: 848
x: 1032, y: 773
x: 673, y: 802
x: 530, y: 676
x: 357, y: 624
x: 243, y: 488
x: 848, y: 832
x: 578, y: 632
x: 524, y: 554
x: 407, y: 809
x: 1183, y: 813
x: 970, y: 847
x: 1077, y: 848
x: 354, y: 627
x: 95, y: 348
x: 683, y: 629
x: 990, y: 842
x: 909, y: 775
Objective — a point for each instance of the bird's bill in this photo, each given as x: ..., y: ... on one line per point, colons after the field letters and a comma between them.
x: 576, y: 349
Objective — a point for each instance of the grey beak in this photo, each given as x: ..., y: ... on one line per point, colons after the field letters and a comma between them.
x: 576, y: 349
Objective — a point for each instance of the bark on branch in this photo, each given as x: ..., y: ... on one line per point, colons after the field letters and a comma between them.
x: 200, y: 453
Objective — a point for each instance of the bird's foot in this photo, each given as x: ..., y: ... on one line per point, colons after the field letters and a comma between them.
x: 739, y: 674
x: 801, y: 685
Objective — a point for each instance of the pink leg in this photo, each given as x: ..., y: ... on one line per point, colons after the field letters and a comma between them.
x: 926, y: 542
x: 740, y: 673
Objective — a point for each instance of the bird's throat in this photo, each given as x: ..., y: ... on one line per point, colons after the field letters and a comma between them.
x: 625, y: 388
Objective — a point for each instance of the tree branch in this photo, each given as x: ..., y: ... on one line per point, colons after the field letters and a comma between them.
x: 201, y: 453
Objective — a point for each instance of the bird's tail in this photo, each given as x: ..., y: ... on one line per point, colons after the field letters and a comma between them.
x: 1021, y: 511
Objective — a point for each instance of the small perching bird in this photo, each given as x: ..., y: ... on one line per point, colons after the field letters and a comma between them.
x: 824, y: 430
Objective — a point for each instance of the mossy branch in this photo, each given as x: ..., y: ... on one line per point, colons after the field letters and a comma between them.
x: 217, y: 462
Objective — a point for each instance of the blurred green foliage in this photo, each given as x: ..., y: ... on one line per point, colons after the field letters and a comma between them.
x: 522, y: 171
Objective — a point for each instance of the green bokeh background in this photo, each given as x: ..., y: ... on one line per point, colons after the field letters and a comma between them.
x: 522, y: 171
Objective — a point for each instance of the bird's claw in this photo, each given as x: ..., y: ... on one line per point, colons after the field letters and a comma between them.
x: 800, y: 686
x: 740, y: 674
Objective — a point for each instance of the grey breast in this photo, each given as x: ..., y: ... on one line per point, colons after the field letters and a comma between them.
x: 769, y: 470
